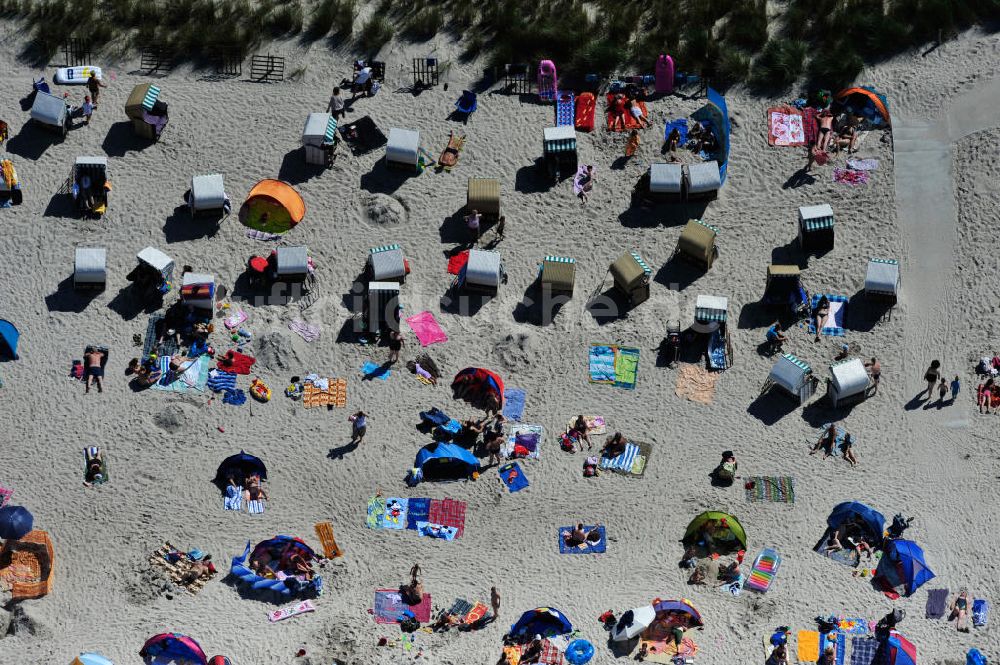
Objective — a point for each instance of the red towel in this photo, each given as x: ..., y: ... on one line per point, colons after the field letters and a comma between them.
x: 236, y: 363
x: 630, y: 121
x: 809, y: 125
x: 457, y: 262
x: 448, y: 512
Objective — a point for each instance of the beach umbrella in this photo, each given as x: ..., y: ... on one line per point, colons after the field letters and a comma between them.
x: 633, y: 622
x: 174, y: 645
x: 241, y: 464
x: 91, y: 659
x: 15, y: 522
x: 681, y: 606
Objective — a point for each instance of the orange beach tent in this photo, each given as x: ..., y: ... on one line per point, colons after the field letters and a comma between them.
x: 272, y: 206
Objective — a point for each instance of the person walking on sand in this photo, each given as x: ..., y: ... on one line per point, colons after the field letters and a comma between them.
x: 942, y: 392
x: 395, y: 346
x: 94, y: 86
x: 495, y: 601
x: 875, y: 370
x: 359, y: 427
x: 336, y: 105
x: 956, y: 387
x: 931, y: 376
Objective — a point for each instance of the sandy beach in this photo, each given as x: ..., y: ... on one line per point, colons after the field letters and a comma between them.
x: 935, y: 463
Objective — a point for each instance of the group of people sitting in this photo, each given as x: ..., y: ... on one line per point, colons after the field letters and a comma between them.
x: 251, y: 485
x: 294, y: 564
x: 828, y: 441
x: 849, y: 536
x: 699, y: 139
x: 837, y: 132
x: 493, y: 432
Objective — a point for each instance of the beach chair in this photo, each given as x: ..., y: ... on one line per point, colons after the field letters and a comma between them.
x: 665, y: 182
x: 631, y: 277
x: 697, y: 244
x: 90, y: 269
x: 710, y: 320
x: 50, y: 112
x: 403, y: 149
x: 882, y: 283
x: 703, y: 181
x: 208, y: 194
x: 557, y: 275
x: 483, y: 272
x: 381, y: 306
x: 90, y: 185
x: 386, y: 264
x: 467, y: 103
x: 559, y: 151
x: 793, y: 376
x: 784, y: 290
x: 816, y: 228
x: 199, y: 290
x: 147, y: 111
x: 291, y: 264
x: 848, y: 383
x: 319, y: 137
x: 483, y: 195
x: 154, y: 271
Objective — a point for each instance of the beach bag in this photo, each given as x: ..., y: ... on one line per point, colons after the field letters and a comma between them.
x: 974, y: 657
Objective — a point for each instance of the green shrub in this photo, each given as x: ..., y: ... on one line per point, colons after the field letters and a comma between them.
x: 343, y: 22
x: 285, y: 20
x: 733, y: 66
x: 746, y: 27
x: 375, y: 33
x: 322, y: 19
x: 835, y: 67
x: 425, y: 23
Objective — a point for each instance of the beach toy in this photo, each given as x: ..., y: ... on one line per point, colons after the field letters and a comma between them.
x: 260, y: 391
x: 579, y: 652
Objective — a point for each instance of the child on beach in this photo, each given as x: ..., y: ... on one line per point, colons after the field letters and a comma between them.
x: 956, y: 386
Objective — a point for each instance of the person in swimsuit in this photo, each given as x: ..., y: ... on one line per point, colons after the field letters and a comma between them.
x: 673, y: 141
x: 581, y: 428
x: 960, y: 611
x: 359, y: 427
x: 875, y: 370
x: 820, y: 314
x: 826, y: 441
x: 825, y: 128
x: 614, y: 445
x: 395, y: 346
x: 847, y: 447
x: 93, y: 371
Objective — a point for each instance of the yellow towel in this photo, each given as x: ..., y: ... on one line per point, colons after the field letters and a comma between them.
x: 808, y: 641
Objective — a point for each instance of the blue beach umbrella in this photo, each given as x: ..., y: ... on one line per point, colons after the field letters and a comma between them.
x: 15, y: 522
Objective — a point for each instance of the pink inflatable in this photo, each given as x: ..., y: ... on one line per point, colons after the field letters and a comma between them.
x: 664, y: 74
x: 547, y: 81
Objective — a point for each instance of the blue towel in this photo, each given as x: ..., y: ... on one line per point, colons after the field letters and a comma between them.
x: 375, y: 371
x: 980, y: 612
x: 835, y: 322
x: 234, y: 498
x: 437, y: 530
x: 235, y: 397
x: 435, y: 416
x: 513, y: 477
x: 716, y: 351
x: 513, y: 408
x: 839, y: 645
x: 599, y: 547
x: 418, y: 510
x: 219, y: 381
x: 681, y: 124
x: 601, y: 362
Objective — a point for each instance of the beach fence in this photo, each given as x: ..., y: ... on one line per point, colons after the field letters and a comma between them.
x: 425, y: 72
x: 155, y: 59
x: 517, y: 78
x: 267, y: 68
x: 228, y: 61
x: 76, y: 52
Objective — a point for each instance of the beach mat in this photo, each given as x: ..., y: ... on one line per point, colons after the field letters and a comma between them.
x: 852, y: 625
x: 565, y: 108
x: 448, y: 512
x: 513, y: 407
x: 389, y: 607
x: 513, y: 477
x: 632, y: 462
x: 534, y: 431
x: 839, y: 642
x: 372, y: 370
x: 937, y: 603
x: 237, y: 363
x: 426, y: 328
x: 601, y: 364
x: 630, y: 120
x: 396, y: 514
x: 335, y: 394
x: 169, y: 346
x: 457, y: 261
x: 324, y: 531
x: 551, y: 655
x: 847, y: 557
x: 477, y: 612
x: 784, y: 127
x: 838, y: 314
x: 195, y: 377
x: 599, y: 547
x: 292, y: 610
x: 681, y: 125
x: 863, y: 650
x: 776, y: 489
x: 613, y: 365
x: 626, y: 367
x: 376, y: 512
x: 438, y: 531
x: 808, y: 646
x: 764, y: 568
x: 695, y: 383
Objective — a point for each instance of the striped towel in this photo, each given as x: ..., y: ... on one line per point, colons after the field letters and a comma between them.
x: 765, y: 567
x: 256, y: 507
x: 838, y: 313
x: 306, y: 331
x: 219, y: 381
x: 778, y: 489
x: 254, y: 234
x: 624, y: 461
x: 234, y: 498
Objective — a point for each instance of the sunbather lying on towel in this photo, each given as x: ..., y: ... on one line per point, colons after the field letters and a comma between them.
x: 821, y: 314
x: 578, y: 536
x: 614, y: 445
x: 826, y: 441
x: 445, y: 622
x: 203, y: 569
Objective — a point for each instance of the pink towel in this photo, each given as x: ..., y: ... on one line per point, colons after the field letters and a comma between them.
x: 426, y: 328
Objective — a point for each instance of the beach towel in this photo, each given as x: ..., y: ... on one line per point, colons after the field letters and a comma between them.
x: 477, y: 612
x: 236, y: 362
x: 234, y: 320
x: 448, y: 512
x: 863, y: 650
x: 776, y: 489
x: 626, y: 367
x: 234, y: 397
x: 695, y: 383
x: 662, y: 650
x: 630, y: 121
x: 335, y: 393
x: 588, y: 547
x: 595, y: 424
x: 291, y: 611
x: 551, y: 655
x: 848, y: 557
x: 176, y: 570
x: 735, y: 587
x: 602, y: 364
x: 808, y: 646
x: 717, y: 351
x: 452, y: 151
x: 457, y: 261
x: 513, y: 477
x: 565, y: 108
x: 256, y: 507
x: 219, y: 381
x: 193, y: 377
x: 395, y: 513
x: 426, y: 328
x: 432, y: 530
x: 784, y: 127
x: 980, y: 612
x: 852, y: 625
x: 389, y: 607
x: 324, y: 531
x: 5, y: 495
x: 167, y: 348
x: 839, y: 642
x: 764, y: 568
x: 418, y: 509
x: 306, y: 331
x: 523, y: 439
x: 372, y: 370
x: 254, y: 234
x: 834, y: 325
x: 233, y: 499
x: 581, y: 179
x: 681, y: 125
x: 850, y: 177
x: 937, y: 603
x: 513, y: 403
x: 376, y: 509
x: 613, y: 365
x: 862, y: 164
x: 810, y: 126
x: 460, y: 608
x: 632, y: 462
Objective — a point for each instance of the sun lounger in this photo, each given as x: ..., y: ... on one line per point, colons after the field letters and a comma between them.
x: 765, y: 567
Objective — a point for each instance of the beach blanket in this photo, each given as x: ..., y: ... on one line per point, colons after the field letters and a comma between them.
x: 937, y: 603
x: 389, y: 607
x: 588, y: 547
x: 580, y: 179
x: 764, y: 568
x: 306, y: 331
x: 236, y: 362
x: 219, y: 381
x: 551, y: 655
x: 810, y: 126
x: 394, y: 516
x: 194, y: 376
x: 839, y: 643
x: 256, y: 507
x: 630, y: 120
x: 426, y: 328
x: 717, y: 351
x: 5, y: 495
x: 448, y: 512
x: 477, y: 612
x: 837, y: 443
x: 457, y: 261
x: 834, y: 325
x: 565, y: 108
x: 418, y: 509
x: 513, y: 403
x: 372, y: 370
x: 167, y: 348
x: 681, y: 125
x: 254, y: 234
x: 695, y: 383
x: 613, y: 365
x: 626, y: 367
x: 808, y: 646
x: 432, y: 530
x: 784, y: 127
x: 848, y: 557
x: 376, y: 510
x: 335, y: 393
x: 528, y: 437
x: 324, y: 531
x: 233, y: 499
x: 662, y: 650
x: 850, y: 177
x: 632, y: 462
x: 459, y: 608
x: 595, y: 424
x: 513, y: 477
x: 292, y: 610
x: 852, y: 625
x: 863, y: 650
x: 980, y: 612
x: 862, y: 164
x: 176, y: 570
x: 234, y: 397
x: 776, y: 489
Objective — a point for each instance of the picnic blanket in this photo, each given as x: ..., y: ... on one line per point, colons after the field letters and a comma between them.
x: 426, y: 328
x: 448, y: 512
x: 834, y: 325
x: 528, y: 437
x: 335, y: 393
x: 863, y: 650
x: 195, y: 376
x: 632, y: 462
x: 236, y: 362
x: 980, y: 612
x: 613, y: 365
x: 372, y: 370
x: 695, y: 383
x: 513, y: 403
x: 291, y: 611
x: 306, y: 331
x: 764, y: 568
x: 858, y: 164
x: 850, y: 176
x: 784, y: 127
x: 681, y: 125
x: 219, y: 381
x: 551, y: 655
x: 810, y: 125
x: 513, y: 477
x: 167, y: 348
x: 588, y: 547
x: 457, y: 261
x: 324, y: 531
x: 808, y: 646
x: 432, y: 530
x: 389, y: 607
x: 776, y: 489
x: 565, y: 108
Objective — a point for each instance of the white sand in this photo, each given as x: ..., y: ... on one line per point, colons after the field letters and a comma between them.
x: 938, y: 466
